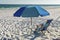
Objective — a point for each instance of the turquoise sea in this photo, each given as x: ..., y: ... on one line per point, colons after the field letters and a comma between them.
x: 18, y: 5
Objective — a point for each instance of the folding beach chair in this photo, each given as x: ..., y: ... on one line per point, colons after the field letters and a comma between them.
x: 43, y: 28
x: 46, y: 25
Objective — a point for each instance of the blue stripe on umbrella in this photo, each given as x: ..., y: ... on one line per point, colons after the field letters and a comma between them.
x: 42, y: 11
x: 19, y: 12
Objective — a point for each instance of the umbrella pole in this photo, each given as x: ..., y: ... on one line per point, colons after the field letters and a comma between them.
x: 31, y: 20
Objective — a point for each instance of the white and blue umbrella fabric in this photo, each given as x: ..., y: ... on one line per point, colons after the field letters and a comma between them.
x: 31, y: 11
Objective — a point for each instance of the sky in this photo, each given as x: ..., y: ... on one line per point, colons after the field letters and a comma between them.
x: 29, y: 1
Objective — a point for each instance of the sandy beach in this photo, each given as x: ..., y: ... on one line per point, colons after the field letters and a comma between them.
x: 10, y: 27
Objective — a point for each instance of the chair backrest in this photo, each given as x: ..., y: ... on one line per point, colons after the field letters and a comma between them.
x: 45, y: 26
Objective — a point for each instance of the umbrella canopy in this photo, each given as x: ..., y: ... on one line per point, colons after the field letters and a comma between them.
x: 31, y: 11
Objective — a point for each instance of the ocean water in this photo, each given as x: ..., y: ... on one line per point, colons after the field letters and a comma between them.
x: 17, y: 5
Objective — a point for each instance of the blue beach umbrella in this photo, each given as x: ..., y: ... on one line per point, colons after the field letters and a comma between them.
x: 31, y: 11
